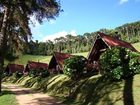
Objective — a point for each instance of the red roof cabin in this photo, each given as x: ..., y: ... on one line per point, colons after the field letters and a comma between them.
x: 56, y: 64
x: 31, y: 65
x: 12, y: 68
x: 102, y: 42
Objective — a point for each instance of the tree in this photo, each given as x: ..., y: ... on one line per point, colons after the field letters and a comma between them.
x: 15, y: 17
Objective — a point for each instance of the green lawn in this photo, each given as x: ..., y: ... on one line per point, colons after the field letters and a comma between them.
x: 137, y: 46
x: 7, y: 98
x: 25, y: 58
x: 85, y: 54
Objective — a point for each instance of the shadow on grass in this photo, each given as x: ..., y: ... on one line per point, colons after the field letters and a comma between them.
x: 128, y: 92
x: 93, y: 92
x: 5, y: 92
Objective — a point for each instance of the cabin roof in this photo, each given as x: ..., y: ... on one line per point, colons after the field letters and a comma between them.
x: 15, y: 67
x: 112, y: 42
x: 35, y: 65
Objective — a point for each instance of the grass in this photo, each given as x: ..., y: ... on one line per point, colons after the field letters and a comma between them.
x: 137, y: 46
x: 85, y: 54
x: 23, y: 59
x: 95, y: 90
x: 7, y: 98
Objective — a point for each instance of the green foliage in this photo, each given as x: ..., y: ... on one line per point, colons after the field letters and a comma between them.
x: 118, y: 63
x: 17, y: 74
x: 39, y: 72
x: 11, y: 57
x: 134, y: 63
x: 116, y: 73
x: 44, y: 73
x: 74, y: 66
x: 109, y: 60
x: 32, y: 73
x: 1, y: 73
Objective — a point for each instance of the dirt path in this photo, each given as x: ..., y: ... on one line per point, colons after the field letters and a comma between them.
x: 26, y: 96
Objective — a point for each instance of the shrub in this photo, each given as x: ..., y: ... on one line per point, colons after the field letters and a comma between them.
x: 118, y: 63
x: 116, y: 73
x: 39, y: 72
x: 44, y: 73
x: 74, y: 66
x: 134, y: 63
x: 110, y: 60
x: 17, y: 74
x: 32, y: 73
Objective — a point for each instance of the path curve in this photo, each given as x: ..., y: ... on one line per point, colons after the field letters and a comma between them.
x: 25, y: 96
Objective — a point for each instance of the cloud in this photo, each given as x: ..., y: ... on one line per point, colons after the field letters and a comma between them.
x: 123, y: 1
x: 58, y: 34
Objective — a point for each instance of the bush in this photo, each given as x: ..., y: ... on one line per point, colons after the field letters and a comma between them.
x: 118, y: 63
x: 39, y: 72
x: 134, y: 63
x: 74, y: 66
x: 116, y: 73
x: 110, y: 60
x: 32, y: 73
x: 44, y: 73
x: 17, y: 74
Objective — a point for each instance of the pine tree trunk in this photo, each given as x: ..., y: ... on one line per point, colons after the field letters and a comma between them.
x: 3, y: 41
x: 1, y: 69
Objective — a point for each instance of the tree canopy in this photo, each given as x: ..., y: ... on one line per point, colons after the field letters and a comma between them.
x: 84, y: 42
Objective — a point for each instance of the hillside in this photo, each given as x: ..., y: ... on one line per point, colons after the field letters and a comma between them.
x: 95, y: 90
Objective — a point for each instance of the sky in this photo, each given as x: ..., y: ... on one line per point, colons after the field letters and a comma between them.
x: 81, y: 16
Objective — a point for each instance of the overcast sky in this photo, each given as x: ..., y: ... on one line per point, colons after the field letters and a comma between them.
x: 82, y: 16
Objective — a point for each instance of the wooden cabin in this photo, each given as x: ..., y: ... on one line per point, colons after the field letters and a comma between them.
x: 102, y: 42
x: 57, y: 62
x: 12, y: 68
x: 32, y: 65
